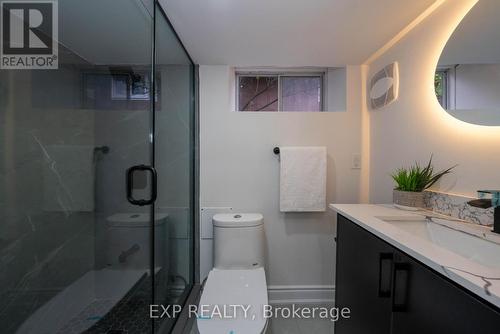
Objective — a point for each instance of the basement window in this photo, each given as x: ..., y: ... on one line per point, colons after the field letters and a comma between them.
x: 441, y: 87
x: 280, y: 91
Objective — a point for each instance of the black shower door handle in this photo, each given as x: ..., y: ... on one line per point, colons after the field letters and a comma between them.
x: 130, y: 185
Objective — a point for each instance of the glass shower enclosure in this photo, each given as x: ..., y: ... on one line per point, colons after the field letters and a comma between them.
x: 97, y: 161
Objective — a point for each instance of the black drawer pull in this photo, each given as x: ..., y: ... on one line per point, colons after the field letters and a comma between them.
x: 385, y: 275
x: 400, y: 288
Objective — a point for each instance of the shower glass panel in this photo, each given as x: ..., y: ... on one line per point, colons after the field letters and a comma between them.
x: 75, y: 255
x: 174, y: 158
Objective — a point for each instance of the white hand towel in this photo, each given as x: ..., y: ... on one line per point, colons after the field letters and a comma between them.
x: 302, y: 179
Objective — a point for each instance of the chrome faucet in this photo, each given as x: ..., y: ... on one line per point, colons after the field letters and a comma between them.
x: 486, y: 203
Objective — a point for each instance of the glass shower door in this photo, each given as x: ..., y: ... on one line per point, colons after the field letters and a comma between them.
x: 174, y: 159
x: 75, y: 254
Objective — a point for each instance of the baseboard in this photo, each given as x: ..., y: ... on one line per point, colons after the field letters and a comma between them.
x: 287, y: 294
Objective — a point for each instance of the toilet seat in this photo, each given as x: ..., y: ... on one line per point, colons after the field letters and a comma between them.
x: 234, y: 287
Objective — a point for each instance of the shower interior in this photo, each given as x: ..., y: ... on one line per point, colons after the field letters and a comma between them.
x: 75, y: 255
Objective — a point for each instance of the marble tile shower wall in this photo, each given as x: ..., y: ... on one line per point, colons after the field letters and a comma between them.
x: 41, y: 251
x: 456, y: 206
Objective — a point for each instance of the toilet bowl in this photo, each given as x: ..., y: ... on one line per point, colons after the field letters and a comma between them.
x: 235, y: 292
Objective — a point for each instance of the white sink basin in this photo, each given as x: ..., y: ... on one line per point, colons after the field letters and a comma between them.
x: 475, y: 243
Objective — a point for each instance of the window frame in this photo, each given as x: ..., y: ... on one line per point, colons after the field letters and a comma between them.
x: 445, y: 73
x: 322, y: 74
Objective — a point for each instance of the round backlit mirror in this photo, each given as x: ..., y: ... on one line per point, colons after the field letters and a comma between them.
x: 467, y: 79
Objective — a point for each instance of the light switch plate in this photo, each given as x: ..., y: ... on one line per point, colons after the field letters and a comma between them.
x: 356, y: 161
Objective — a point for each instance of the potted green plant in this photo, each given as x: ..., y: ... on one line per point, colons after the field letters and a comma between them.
x: 411, y: 182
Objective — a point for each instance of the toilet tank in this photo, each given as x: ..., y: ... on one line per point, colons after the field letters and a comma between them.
x: 127, y: 245
x: 238, y: 241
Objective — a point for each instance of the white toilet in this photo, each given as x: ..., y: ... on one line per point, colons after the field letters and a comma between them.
x: 128, y: 241
x: 238, y: 277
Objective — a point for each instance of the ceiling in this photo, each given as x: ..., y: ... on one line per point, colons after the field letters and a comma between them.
x: 288, y: 32
x: 115, y: 35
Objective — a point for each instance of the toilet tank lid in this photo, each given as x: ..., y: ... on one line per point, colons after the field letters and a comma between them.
x: 237, y: 219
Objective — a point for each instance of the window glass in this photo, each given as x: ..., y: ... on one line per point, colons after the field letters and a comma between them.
x: 258, y: 93
x: 301, y: 93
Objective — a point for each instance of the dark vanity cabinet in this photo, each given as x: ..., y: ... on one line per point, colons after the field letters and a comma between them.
x: 360, y: 260
x: 387, y: 291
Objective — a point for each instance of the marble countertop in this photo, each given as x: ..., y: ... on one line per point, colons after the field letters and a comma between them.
x: 482, y: 280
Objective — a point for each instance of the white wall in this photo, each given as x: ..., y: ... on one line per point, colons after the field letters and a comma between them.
x: 239, y: 170
x: 415, y: 125
x: 336, y: 89
x: 473, y: 93
x: 476, y: 86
